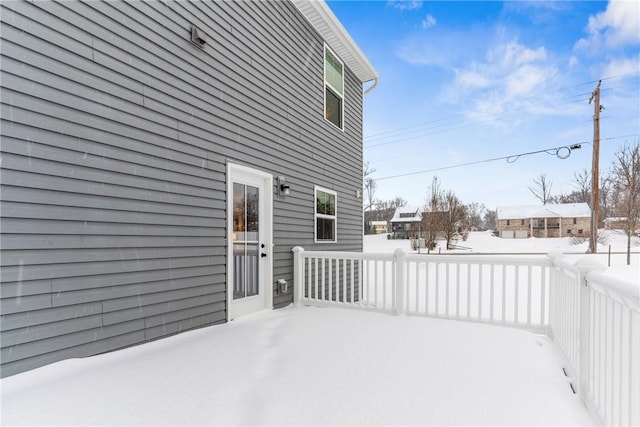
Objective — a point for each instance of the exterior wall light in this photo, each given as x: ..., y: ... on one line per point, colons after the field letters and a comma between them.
x: 198, y: 37
x: 283, y: 188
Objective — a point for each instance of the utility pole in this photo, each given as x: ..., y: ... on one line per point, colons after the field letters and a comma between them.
x: 595, y: 189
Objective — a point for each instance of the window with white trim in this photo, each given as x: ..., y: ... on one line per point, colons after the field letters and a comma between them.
x: 333, y: 89
x: 325, y: 217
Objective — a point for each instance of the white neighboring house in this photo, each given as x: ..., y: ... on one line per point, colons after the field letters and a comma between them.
x: 405, y: 223
x: 551, y: 220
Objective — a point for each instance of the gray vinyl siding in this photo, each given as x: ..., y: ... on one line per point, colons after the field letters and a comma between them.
x: 116, y: 132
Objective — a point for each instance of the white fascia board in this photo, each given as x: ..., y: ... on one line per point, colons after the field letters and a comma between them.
x: 327, y: 24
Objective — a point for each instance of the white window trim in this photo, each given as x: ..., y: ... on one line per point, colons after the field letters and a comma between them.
x: 316, y: 215
x: 327, y: 84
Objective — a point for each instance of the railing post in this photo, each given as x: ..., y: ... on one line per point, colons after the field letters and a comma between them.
x: 298, y: 275
x: 400, y: 261
x: 553, y: 256
x: 585, y: 266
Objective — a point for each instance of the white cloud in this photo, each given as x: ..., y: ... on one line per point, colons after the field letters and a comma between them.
x: 490, y: 74
x: 515, y: 70
x: 622, y: 67
x: 573, y: 61
x: 405, y: 4
x: 618, y: 25
x: 524, y: 80
x: 538, y: 12
x: 509, y: 78
x: 428, y: 22
x: 471, y: 79
x: 439, y: 48
x: 513, y: 54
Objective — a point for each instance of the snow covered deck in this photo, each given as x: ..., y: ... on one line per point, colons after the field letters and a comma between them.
x: 594, y: 318
x: 309, y: 366
x: 332, y: 366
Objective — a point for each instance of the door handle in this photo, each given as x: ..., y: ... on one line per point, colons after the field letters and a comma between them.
x: 262, y: 255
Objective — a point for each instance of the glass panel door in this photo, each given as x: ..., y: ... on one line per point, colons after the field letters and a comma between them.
x: 246, y: 250
x: 249, y: 241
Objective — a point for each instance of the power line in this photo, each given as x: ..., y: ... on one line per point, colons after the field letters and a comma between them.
x: 471, y: 122
x: 482, y: 119
x: 437, y: 123
x: 586, y: 94
x: 561, y: 152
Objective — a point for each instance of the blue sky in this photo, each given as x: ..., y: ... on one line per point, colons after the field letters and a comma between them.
x: 463, y: 82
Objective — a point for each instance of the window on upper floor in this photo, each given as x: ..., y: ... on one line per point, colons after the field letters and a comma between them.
x: 326, y: 220
x: 333, y: 88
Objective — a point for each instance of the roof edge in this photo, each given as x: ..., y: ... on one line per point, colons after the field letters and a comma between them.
x: 333, y: 32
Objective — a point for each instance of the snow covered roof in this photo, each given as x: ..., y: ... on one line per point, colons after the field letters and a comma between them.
x: 561, y: 210
x: 378, y: 222
x: 406, y: 214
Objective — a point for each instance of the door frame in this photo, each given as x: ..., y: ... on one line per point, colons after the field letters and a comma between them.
x: 233, y: 169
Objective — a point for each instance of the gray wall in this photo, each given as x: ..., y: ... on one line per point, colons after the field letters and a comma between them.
x: 116, y: 131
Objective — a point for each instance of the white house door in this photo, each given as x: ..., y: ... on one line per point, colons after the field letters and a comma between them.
x: 249, y: 253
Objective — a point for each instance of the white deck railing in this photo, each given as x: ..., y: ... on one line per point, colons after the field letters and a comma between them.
x: 596, y: 322
x: 506, y: 290
x: 589, y: 316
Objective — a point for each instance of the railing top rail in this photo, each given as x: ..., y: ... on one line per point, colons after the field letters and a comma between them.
x: 348, y: 255
x: 537, y: 260
x: 558, y: 261
x: 622, y: 291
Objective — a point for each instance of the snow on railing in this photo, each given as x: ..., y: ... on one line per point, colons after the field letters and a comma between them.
x: 592, y: 317
x: 595, y: 319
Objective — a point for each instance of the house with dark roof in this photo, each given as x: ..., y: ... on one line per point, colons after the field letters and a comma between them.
x: 406, y: 223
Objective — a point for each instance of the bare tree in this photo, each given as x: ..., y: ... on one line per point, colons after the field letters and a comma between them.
x: 370, y: 199
x: 398, y: 202
x: 384, y: 209
x: 432, y: 216
x: 454, y: 218
x: 475, y: 211
x: 582, y: 192
x: 626, y: 175
x: 489, y: 220
x: 370, y: 194
x: 542, y: 188
x: 607, y: 198
x: 583, y: 186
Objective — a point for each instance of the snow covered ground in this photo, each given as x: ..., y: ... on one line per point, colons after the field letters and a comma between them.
x: 317, y: 366
x: 308, y: 366
x: 485, y: 242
